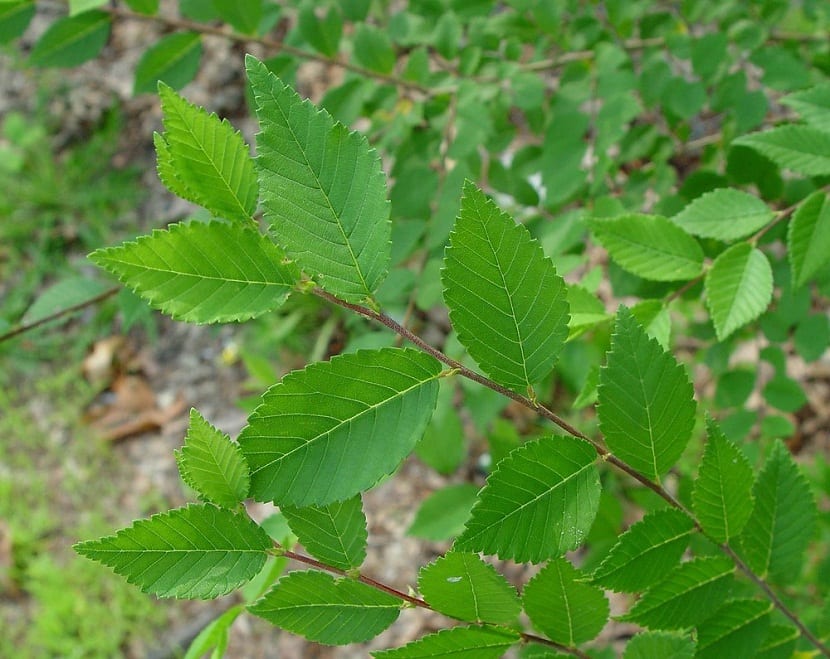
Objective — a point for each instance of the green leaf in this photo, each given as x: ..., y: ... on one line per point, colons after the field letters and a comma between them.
x: 646, y: 552
x: 722, y: 494
x: 736, y: 630
x: 646, y: 408
x: 738, y: 288
x: 802, y: 149
x: 539, y: 502
x: 212, y: 464
x: 781, y: 526
x: 586, y: 310
x: 724, y: 214
x: 686, y: 597
x: 198, y: 552
x: 335, y: 534
x: 373, y: 49
x: 214, y: 637
x: 80, y: 6
x: 649, y: 645
x: 784, y: 394
x: 243, y: 15
x: 62, y: 295
x: 174, y: 60
x: 323, y: 190
x: 210, y: 158
x: 14, y: 19
x: 72, y: 41
x: 779, y: 643
x: 562, y: 607
x: 443, y: 514
x: 443, y: 447
x: 808, y: 238
x: 650, y: 246
x: 335, y: 612
x: 203, y: 273
x: 458, y: 643
x: 506, y: 301
x: 462, y: 586
x: 323, y: 34
x: 334, y: 429
x: 148, y: 7
x: 166, y: 169
x: 813, y: 105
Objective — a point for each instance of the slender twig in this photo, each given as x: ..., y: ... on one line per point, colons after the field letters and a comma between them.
x: 25, y: 327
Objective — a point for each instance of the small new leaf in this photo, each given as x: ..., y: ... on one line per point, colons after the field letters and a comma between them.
x: 461, y: 585
x: 204, y: 272
x: 335, y: 534
x: 646, y: 406
x: 458, y: 643
x: 332, y: 430
x: 505, y: 299
x: 327, y: 610
x: 539, y: 502
x: 212, y: 464
x: 197, y: 552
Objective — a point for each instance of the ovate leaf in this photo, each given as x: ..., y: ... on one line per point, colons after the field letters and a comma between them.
x: 212, y: 464
x: 204, y: 273
x: 724, y: 214
x: 506, y: 301
x: 779, y: 642
x: 689, y: 595
x: 334, y: 429
x: 813, y: 105
x: 323, y: 33
x: 736, y: 630
x: 808, y: 238
x: 650, y: 246
x: 210, y: 158
x: 323, y: 190
x: 564, y: 608
x: 373, y: 49
x: 738, y: 288
x: 195, y: 552
x: 539, y: 502
x: 327, y: 610
x: 461, y: 585
x: 458, y: 643
x: 722, y: 492
x: 646, y: 552
x: 72, y: 41
x: 14, y: 19
x: 649, y: 645
x: 173, y: 60
x: 443, y: 514
x: 243, y: 15
x: 779, y: 530
x: 335, y: 533
x: 144, y: 6
x: 802, y: 149
x: 61, y: 295
x: 214, y: 636
x: 646, y: 407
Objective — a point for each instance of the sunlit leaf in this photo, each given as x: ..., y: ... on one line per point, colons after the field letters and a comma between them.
x: 802, y: 149
x: 457, y: 643
x: 724, y: 214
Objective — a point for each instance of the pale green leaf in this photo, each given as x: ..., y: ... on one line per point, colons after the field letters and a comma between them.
x: 80, y: 6
x: 61, y: 295
x: 586, y: 311
x: 650, y: 246
x: 808, y: 238
x: 724, y: 214
x: 539, y: 502
x: 777, y: 534
x: 738, y: 288
x: 198, y: 552
x: 14, y: 19
x: 174, y: 60
x: 212, y: 464
x: 334, y: 534
x: 736, y: 630
x: 327, y: 610
x: 72, y: 40
x: 334, y: 429
x: 564, y: 608
x: 802, y: 149
x: 209, y: 157
x: 243, y: 15
x: 443, y: 514
x: 813, y: 105
x: 654, y: 316
x: 506, y: 301
x: 214, y: 637
x: 166, y: 169
x: 323, y: 190
x: 646, y: 552
x: 204, y: 273
x: 461, y: 585
x: 456, y: 643
x: 443, y: 445
x: 651, y: 645
x: 646, y: 408
x: 722, y: 494
x: 686, y: 597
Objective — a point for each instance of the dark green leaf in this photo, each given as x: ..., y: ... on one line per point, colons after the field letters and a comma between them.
x: 373, y: 49
x: 808, y: 238
x: 243, y: 15
x: 650, y: 645
x: 14, y: 19
x: 458, y: 643
x: 174, y: 60
x: 322, y: 33
x: 736, y: 630
x: 72, y: 41
x: 148, y: 7
x: 443, y: 514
